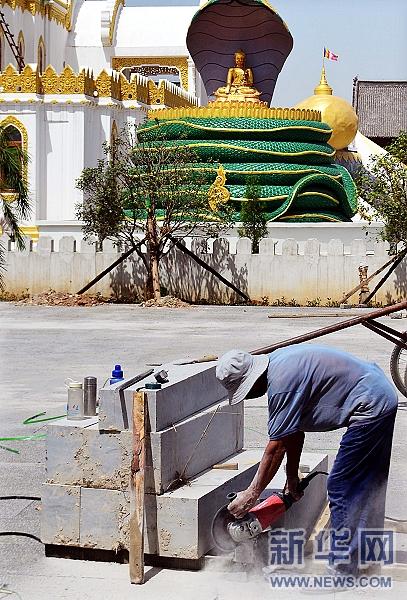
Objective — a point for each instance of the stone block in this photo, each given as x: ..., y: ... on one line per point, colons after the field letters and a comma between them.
x: 104, y: 519
x: 193, y: 445
x: 93, y: 518
x: 79, y: 454
x: 60, y: 514
x: 190, y: 389
x: 184, y: 516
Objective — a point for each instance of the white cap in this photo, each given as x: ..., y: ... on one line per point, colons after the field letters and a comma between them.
x: 238, y: 371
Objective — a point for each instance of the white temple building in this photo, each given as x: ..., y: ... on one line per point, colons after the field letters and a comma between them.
x: 89, y: 67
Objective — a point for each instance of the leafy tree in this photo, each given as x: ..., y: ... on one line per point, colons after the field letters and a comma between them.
x: 14, y: 200
x: 254, y: 221
x: 147, y: 193
x: 384, y: 189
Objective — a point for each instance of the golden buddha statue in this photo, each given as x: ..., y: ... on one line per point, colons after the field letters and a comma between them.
x: 239, y: 84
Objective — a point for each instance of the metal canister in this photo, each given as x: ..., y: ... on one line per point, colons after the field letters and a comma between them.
x: 89, y: 396
x: 74, y: 409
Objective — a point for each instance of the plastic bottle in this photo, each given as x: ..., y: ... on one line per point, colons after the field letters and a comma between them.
x: 74, y: 409
x: 89, y: 396
x: 117, y: 375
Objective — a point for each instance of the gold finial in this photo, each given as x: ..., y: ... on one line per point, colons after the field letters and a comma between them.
x: 323, y: 89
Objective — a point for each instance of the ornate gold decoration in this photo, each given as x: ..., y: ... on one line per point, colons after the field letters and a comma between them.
x: 108, y: 86
x: 68, y: 82
x: 155, y: 93
x: 137, y: 89
x: 117, y: 5
x: 26, y: 82
x: 335, y: 111
x: 115, y: 85
x: 218, y: 194
x: 180, y: 62
x: 323, y: 88
x: 238, y: 109
x: 10, y: 120
x: 59, y: 11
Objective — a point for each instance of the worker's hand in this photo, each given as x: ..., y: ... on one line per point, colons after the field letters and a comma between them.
x: 292, y: 487
x: 243, y: 503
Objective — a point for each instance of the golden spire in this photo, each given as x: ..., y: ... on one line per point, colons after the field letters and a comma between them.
x: 323, y: 89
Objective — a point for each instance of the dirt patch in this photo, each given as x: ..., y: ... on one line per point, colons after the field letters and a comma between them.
x: 52, y: 298
x: 166, y: 302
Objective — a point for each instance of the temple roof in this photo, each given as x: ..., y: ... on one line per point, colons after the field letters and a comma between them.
x: 381, y: 107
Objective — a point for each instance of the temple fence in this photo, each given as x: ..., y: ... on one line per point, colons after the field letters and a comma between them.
x: 321, y: 272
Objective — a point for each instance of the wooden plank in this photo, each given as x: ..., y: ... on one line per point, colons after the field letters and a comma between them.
x: 323, y: 523
x: 136, y: 530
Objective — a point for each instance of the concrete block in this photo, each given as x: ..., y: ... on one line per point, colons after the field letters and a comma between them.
x: 244, y: 246
x: 45, y: 245
x: 93, y: 518
x: 67, y: 244
x: 190, y: 389
x: 195, y: 444
x: 104, y: 519
x: 60, y: 514
x: 335, y: 248
x: 266, y: 246
x: 79, y: 454
x: 289, y: 247
x: 184, y: 516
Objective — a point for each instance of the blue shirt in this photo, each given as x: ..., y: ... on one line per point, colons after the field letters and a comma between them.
x: 316, y: 388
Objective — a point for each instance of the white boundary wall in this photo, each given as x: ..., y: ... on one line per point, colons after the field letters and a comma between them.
x: 316, y: 272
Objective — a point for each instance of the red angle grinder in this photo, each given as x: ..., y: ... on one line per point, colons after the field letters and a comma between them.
x: 228, y: 532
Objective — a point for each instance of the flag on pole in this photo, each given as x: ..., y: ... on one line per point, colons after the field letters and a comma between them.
x: 330, y: 55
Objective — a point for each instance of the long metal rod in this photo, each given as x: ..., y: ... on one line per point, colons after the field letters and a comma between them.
x: 399, y: 334
x: 372, y: 326
x: 117, y: 262
x: 375, y: 314
x: 205, y: 265
x: 366, y: 281
x: 392, y: 268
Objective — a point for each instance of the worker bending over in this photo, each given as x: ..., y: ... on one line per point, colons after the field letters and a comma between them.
x: 316, y: 388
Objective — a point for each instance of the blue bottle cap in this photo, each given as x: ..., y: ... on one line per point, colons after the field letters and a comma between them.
x: 117, y: 372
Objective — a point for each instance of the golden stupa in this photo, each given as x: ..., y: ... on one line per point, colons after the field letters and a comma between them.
x: 335, y: 111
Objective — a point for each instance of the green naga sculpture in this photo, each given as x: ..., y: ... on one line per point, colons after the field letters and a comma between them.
x: 239, y: 48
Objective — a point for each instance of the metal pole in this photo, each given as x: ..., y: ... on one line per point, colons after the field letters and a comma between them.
x: 205, y: 265
x: 117, y: 262
x: 375, y: 314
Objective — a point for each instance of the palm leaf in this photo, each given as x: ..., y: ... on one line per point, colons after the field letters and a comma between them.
x: 15, y: 207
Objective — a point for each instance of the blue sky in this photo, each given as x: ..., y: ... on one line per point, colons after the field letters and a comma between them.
x: 370, y: 37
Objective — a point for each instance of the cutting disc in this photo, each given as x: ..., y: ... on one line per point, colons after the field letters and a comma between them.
x: 220, y: 535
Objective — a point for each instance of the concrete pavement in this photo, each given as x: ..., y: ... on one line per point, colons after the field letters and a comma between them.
x: 41, y: 346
